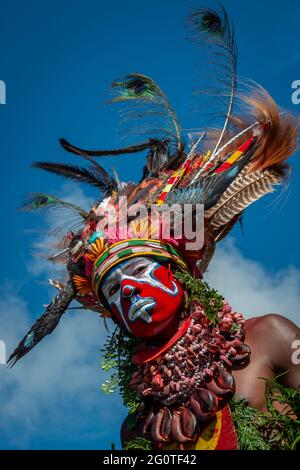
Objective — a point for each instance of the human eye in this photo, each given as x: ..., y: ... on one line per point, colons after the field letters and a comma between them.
x: 113, y: 289
x: 139, y: 269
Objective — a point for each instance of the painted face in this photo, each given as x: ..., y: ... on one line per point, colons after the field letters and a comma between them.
x: 144, y: 296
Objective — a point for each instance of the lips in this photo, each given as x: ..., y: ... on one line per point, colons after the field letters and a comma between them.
x: 140, y: 309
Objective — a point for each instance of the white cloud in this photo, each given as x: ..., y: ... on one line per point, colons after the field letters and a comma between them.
x: 43, y: 244
x: 52, y: 395
x: 250, y: 288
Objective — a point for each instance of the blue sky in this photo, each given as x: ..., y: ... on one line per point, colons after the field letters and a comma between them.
x: 58, y: 59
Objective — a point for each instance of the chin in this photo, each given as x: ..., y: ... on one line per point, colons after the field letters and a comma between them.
x: 161, y: 331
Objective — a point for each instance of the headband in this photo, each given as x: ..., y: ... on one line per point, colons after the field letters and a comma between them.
x: 124, y: 250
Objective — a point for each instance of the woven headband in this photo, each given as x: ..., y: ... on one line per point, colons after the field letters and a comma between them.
x: 127, y: 249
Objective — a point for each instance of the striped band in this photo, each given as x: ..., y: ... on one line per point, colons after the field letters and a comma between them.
x: 173, y: 181
x: 127, y: 249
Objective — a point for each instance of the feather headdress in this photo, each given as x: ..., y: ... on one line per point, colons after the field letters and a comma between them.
x: 226, y: 170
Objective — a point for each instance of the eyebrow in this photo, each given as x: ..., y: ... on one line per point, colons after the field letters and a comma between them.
x: 131, y: 264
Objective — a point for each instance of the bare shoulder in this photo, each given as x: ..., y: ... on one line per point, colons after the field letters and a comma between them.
x: 278, y: 337
x: 273, y: 324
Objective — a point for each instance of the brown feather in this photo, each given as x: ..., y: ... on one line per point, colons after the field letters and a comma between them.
x: 279, y: 138
x: 243, y: 191
x: 276, y: 141
x: 225, y: 229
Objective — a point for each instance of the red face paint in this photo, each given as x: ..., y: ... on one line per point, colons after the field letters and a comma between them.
x: 144, y: 296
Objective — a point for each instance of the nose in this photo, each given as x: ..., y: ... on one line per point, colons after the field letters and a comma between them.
x: 128, y: 290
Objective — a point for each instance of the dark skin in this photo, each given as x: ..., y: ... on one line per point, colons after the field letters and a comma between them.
x: 270, y: 338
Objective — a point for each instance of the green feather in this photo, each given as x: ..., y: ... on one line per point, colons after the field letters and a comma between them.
x: 136, y: 86
x: 209, y: 21
x: 45, y: 201
x: 149, y: 101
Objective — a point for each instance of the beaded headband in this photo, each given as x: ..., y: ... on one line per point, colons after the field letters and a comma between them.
x: 126, y: 249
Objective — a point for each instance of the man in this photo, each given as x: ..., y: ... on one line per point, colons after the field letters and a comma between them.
x: 193, y: 352
x: 144, y: 298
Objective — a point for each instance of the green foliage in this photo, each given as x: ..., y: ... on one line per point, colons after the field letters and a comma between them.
x: 110, y: 385
x: 138, y: 443
x: 200, y: 291
x: 271, y: 430
x: 284, y: 395
x: 116, y: 354
x: 248, y: 426
x: 235, y: 328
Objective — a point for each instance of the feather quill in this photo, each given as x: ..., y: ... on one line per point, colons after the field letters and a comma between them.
x: 243, y: 191
x: 215, y: 29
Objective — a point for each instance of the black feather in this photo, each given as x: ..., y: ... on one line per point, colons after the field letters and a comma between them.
x: 92, y: 176
x: 100, y: 153
x: 215, y: 185
x: 215, y: 30
x: 45, y: 324
x: 158, y: 155
x: 207, y: 21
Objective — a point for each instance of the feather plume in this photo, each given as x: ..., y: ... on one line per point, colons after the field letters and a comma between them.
x: 275, y: 136
x: 189, y: 195
x: 157, y: 157
x: 92, y: 176
x: 47, y: 201
x: 214, y: 29
x: 243, y: 191
x: 215, y: 186
x: 45, y: 324
x: 102, y: 153
x: 147, y: 101
x: 225, y: 229
x: 279, y: 137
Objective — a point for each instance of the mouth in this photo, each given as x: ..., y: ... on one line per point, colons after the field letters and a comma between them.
x: 141, y: 309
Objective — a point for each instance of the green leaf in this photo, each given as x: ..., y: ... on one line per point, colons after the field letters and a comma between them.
x: 138, y: 443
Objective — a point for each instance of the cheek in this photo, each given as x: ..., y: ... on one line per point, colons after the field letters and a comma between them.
x: 115, y: 304
x: 116, y: 313
x: 167, y: 304
x: 164, y: 276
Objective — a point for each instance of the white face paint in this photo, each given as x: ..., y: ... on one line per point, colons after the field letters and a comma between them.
x: 127, y: 281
